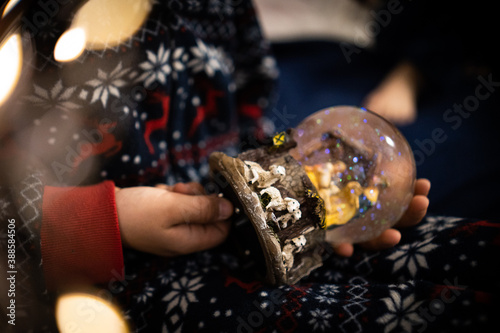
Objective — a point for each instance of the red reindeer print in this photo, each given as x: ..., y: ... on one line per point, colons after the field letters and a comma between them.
x: 159, y: 123
x: 205, y: 111
x: 101, y: 141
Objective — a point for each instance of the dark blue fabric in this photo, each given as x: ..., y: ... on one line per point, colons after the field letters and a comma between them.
x: 438, y: 279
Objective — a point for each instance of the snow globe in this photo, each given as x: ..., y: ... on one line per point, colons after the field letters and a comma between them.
x: 344, y: 174
x: 362, y: 167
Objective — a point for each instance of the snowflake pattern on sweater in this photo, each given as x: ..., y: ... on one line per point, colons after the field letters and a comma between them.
x: 152, y: 109
x: 456, y: 290
x: 453, y: 288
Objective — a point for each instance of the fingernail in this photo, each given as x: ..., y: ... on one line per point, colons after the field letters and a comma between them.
x: 225, y: 209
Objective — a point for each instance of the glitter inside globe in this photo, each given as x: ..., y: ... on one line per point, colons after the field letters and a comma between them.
x: 362, y: 167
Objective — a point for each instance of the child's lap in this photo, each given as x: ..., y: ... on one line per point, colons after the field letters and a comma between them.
x: 440, y: 275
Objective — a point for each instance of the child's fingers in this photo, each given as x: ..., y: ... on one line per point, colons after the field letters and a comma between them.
x: 198, y: 237
x: 200, y: 220
x: 343, y: 249
x: 418, y: 205
x: 422, y: 187
x: 415, y: 213
x: 196, y: 209
x: 385, y: 240
x: 163, y: 187
x: 191, y: 188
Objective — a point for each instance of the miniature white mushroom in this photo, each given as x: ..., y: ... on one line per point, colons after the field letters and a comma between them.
x: 293, y: 207
x: 277, y: 203
x: 294, y: 213
x: 277, y: 170
x: 255, y: 174
x: 291, y: 247
x: 252, y: 171
x: 299, y: 243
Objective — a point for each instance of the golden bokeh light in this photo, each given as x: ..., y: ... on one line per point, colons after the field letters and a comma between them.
x: 82, y: 312
x: 108, y: 23
x: 10, y: 65
x: 70, y: 45
x: 11, y: 4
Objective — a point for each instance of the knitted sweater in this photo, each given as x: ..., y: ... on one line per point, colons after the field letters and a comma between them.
x: 192, y: 80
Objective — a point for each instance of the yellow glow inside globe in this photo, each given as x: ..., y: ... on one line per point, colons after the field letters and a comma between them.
x: 362, y: 168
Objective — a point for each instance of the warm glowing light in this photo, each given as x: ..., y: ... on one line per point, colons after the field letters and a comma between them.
x: 11, y: 4
x: 108, y: 23
x: 70, y: 45
x: 10, y: 65
x: 79, y: 312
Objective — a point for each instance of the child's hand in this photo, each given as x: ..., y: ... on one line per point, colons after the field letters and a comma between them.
x: 390, y: 237
x: 170, y: 221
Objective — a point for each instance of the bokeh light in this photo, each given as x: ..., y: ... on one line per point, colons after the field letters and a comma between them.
x: 70, y: 45
x: 10, y: 4
x: 108, y: 23
x: 82, y: 312
x: 10, y: 65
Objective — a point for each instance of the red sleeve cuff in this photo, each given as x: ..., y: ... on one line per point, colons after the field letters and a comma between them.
x: 80, y: 235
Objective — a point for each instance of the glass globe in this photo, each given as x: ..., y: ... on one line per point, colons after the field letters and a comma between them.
x: 362, y: 167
